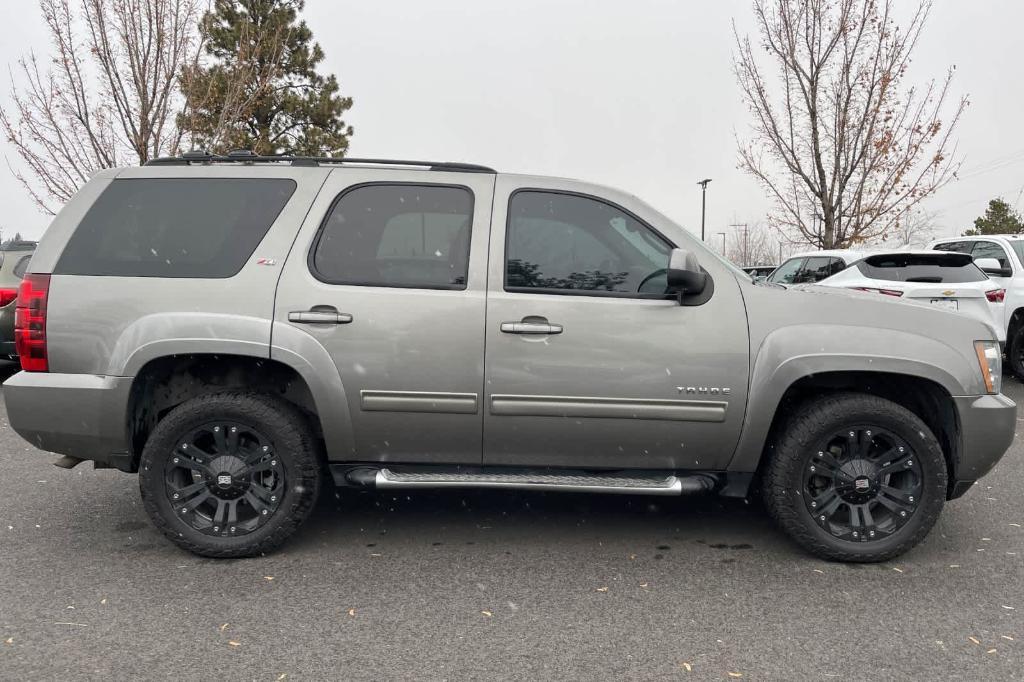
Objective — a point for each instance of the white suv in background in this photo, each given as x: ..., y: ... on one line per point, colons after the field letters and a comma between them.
x: 1002, y: 259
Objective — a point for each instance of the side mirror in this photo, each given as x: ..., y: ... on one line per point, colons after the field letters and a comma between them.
x: 991, y: 266
x: 684, y: 273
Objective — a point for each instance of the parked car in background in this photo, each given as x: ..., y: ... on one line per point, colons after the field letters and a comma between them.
x: 14, y: 260
x: 243, y: 331
x: 813, y: 266
x: 946, y: 279
x: 1002, y: 258
x: 759, y: 272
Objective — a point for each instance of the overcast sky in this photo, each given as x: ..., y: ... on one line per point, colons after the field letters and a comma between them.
x: 638, y: 94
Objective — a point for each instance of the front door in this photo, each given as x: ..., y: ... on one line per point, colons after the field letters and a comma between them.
x: 589, y: 364
x: 389, y: 277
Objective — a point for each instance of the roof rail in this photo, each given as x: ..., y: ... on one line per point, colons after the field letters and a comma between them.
x: 244, y: 156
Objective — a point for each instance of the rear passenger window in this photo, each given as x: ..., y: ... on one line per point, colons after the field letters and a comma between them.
x: 991, y: 250
x: 174, y: 227
x: 412, y: 236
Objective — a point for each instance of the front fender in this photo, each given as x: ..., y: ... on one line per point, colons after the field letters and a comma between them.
x: 795, y: 352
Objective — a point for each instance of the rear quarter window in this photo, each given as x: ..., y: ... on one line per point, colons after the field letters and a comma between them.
x: 174, y: 227
x: 921, y: 268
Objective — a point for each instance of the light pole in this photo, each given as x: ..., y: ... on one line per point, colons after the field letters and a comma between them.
x: 703, y: 198
x: 723, y: 242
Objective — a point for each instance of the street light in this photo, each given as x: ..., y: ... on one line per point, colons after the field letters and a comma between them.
x: 703, y: 196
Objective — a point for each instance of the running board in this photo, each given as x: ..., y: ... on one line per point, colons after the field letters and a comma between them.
x: 656, y: 483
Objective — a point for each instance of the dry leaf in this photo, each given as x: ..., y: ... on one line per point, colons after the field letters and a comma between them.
x: 268, y: 577
x: 898, y: 570
x: 487, y: 613
x: 282, y: 676
x: 9, y: 640
x: 103, y: 601
x: 632, y: 557
x: 234, y: 643
x: 1015, y: 525
x: 602, y: 589
x: 224, y: 627
x: 990, y: 651
x: 686, y: 666
x: 1008, y: 608
x: 351, y: 612
x: 1007, y: 638
x: 735, y: 674
x: 954, y: 565
x: 643, y: 584
x: 818, y: 570
x: 975, y: 640
x: 375, y: 554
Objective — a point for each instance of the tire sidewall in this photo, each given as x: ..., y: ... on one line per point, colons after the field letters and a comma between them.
x: 925, y: 448
x: 287, y: 443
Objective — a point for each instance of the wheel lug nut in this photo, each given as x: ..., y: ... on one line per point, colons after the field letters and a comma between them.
x: 216, y: 529
x: 273, y: 498
x: 266, y: 448
x: 814, y: 504
x: 176, y: 495
x: 175, y: 460
x: 903, y: 513
x: 264, y: 512
x: 233, y: 429
x: 216, y: 429
x: 854, y: 533
x: 232, y: 529
x: 911, y: 498
x: 871, y: 533
x: 822, y: 518
x: 813, y: 469
x: 273, y: 462
x: 910, y: 462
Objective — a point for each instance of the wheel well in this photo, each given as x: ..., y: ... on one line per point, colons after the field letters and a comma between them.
x: 925, y: 398
x: 164, y: 383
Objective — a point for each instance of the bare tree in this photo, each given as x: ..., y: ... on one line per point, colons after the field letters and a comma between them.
x: 836, y: 134
x: 106, y: 96
x: 751, y: 244
x: 914, y: 228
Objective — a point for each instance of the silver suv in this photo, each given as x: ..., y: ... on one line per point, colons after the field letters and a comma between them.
x: 242, y: 331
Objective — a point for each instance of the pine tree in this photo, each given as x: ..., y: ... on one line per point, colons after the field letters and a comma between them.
x: 999, y: 218
x: 259, y: 88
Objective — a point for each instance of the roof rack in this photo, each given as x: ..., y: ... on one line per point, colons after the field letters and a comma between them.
x: 245, y: 156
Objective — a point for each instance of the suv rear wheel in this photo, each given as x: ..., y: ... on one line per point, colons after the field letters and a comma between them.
x: 856, y: 478
x: 230, y: 474
x: 1015, y: 352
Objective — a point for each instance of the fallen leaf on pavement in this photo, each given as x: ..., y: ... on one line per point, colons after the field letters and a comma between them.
x: 224, y: 627
x: 643, y: 584
x: 268, y: 577
x: 602, y: 589
x: 686, y: 666
x: 1008, y: 608
x: 351, y: 612
x: 234, y: 643
x: 735, y: 674
x: 9, y: 640
x: 1007, y: 637
x: 975, y: 640
x: 487, y: 613
x: 898, y: 570
x: 990, y: 651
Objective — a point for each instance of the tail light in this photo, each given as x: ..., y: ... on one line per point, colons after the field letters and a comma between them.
x: 6, y: 296
x: 996, y: 295
x: 30, y: 322
x: 884, y: 292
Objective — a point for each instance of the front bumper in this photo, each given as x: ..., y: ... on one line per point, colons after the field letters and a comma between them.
x: 81, y: 415
x: 987, y: 426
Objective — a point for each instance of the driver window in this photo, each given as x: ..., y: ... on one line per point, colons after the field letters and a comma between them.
x: 568, y: 242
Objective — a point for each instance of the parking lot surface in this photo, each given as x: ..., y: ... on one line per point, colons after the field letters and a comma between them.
x: 453, y: 585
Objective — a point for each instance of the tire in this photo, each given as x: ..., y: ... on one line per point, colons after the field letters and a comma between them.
x: 908, y: 463
x: 1015, y: 352
x: 257, y: 487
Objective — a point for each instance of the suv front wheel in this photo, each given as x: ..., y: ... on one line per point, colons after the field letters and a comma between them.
x: 856, y: 477
x: 230, y: 474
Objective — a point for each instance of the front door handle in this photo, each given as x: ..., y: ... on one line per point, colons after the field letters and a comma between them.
x: 531, y: 325
x: 319, y: 317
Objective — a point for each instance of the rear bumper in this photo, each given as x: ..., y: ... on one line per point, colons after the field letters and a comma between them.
x: 987, y: 425
x: 82, y: 415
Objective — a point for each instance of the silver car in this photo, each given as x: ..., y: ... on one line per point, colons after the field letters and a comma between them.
x: 243, y: 331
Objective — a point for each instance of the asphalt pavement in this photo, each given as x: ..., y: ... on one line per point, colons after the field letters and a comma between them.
x: 467, y: 586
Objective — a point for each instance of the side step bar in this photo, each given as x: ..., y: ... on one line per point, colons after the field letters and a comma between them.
x: 644, y: 483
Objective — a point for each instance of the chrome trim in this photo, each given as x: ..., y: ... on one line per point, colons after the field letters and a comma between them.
x: 608, y: 408
x: 418, y: 401
x: 670, y: 485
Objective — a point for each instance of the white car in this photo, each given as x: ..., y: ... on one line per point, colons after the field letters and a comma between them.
x: 942, y: 278
x: 1001, y: 256
x: 813, y: 266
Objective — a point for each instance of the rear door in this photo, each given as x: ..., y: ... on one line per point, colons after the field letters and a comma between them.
x: 388, y: 276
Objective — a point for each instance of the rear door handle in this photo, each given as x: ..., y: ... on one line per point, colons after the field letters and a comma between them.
x: 319, y: 317
x: 530, y: 327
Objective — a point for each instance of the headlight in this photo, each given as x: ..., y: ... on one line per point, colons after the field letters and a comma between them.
x: 991, y: 362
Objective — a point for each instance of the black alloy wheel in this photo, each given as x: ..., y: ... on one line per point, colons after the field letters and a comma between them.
x: 863, y: 484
